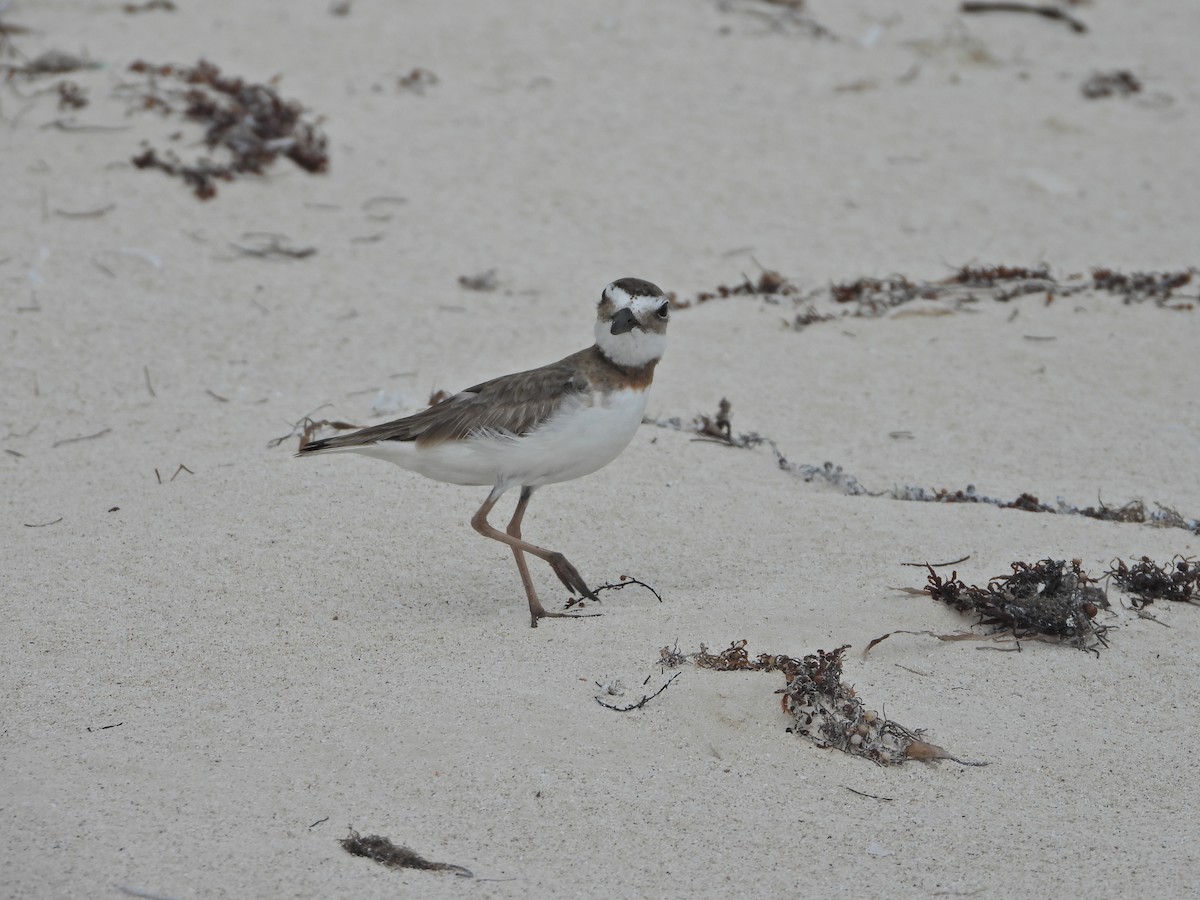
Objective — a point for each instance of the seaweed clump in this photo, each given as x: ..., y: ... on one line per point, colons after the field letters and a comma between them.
x: 251, y: 123
x: 824, y: 708
x: 394, y: 856
x: 1049, y: 597
x: 1147, y: 581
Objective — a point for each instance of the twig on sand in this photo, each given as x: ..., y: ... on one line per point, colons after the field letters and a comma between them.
x: 646, y: 698
x: 1046, y: 11
x: 84, y: 437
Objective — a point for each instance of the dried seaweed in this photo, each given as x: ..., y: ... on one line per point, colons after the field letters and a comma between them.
x: 779, y: 16
x: 306, y: 427
x: 823, y: 708
x: 1046, y: 11
x: 1116, y: 83
x: 71, y: 95
x: 770, y: 284
x: 384, y: 852
x: 624, y: 582
x: 718, y: 429
x: 1049, y: 597
x: 7, y: 30
x: 418, y: 81
x: 484, y: 281
x: 51, y: 62
x: 250, y: 124
x: 871, y: 297
x: 148, y: 6
x: 1177, y: 581
x: 617, y: 689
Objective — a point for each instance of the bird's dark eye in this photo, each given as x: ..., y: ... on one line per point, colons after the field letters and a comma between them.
x: 663, y: 310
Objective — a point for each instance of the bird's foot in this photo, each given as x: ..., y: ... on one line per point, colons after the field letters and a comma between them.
x: 570, y: 576
x: 537, y: 611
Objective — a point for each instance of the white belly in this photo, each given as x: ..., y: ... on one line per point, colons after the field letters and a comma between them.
x: 576, y: 441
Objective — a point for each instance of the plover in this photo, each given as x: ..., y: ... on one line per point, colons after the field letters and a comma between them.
x: 533, y: 428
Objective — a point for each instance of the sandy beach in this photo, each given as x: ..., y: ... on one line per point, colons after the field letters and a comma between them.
x: 217, y: 660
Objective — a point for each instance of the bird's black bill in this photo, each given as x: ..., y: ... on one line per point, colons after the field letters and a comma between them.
x: 624, y: 321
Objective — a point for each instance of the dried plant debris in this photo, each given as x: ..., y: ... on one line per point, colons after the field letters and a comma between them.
x: 1117, y: 83
x: 418, y: 81
x: 617, y: 689
x: 718, y: 429
x: 779, y: 16
x: 1046, y: 11
x: 384, y: 852
x: 52, y: 62
x: 71, y: 95
x: 7, y: 30
x: 770, y: 285
x: 484, y: 281
x: 250, y: 125
x: 969, y: 285
x: 148, y: 6
x: 263, y: 244
x: 1134, y: 511
x: 823, y: 707
x: 307, y: 427
x: 1052, y: 598
x: 624, y: 582
x: 1147, y: 581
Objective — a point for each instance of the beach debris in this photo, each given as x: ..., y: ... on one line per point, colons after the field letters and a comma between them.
x: 139, y: 893
x: 71, y: 95
x: 307, y: 426
x: 1046, y: 11
x: 42, y: 524
x: 617, y: 689
x: 264, y: 244
x: 148, y: 6
x: 7, y: 30
x: 1146, y: 581
x: 96, y: 213
x: 1053, y: 598
x: 870, y: 297
x: 779, y: 16
x: 624, y: 582
x: 823, y: 708
x: 375, y: 207
x: 770, y: 285
x: 85, y: 437
x: 51, y: 62
x: 1134, y: 511
x: 718, y: 429
x: 418, y: 81
x: 956, y: 636
x: 484, y: 281
x: 250, y: 124
x: 394, y: 856
x: 1115, y: 83
x: 182, y: 468
x: 1137, y: 287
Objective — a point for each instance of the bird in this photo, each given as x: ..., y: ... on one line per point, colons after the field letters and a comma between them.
x: 543, y: 426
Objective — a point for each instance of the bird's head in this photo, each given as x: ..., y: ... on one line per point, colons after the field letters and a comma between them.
x: 631, y: 322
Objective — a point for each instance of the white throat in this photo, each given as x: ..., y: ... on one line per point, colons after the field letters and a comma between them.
x: 633, y: 349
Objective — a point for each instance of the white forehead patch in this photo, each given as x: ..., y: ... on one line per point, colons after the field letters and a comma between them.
x: 639, y: 346
x: 641, y: 305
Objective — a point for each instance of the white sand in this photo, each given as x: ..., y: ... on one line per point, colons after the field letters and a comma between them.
x: 279, y: 643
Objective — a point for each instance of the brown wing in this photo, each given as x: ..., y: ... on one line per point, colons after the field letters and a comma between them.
x: 515, y: 404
